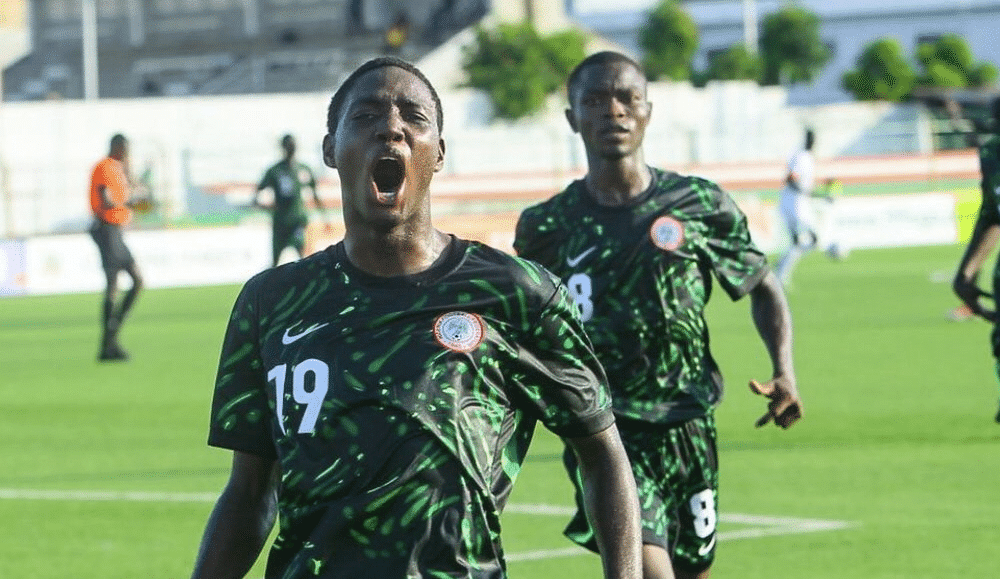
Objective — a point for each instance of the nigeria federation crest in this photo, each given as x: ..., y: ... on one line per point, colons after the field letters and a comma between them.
x: 667, y: 233
x: 459, y: 331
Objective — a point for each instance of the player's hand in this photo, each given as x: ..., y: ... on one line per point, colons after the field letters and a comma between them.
x: 141, y: 204
x: 785, y: 408
x: 971, y: 295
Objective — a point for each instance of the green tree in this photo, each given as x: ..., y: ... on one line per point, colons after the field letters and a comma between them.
x: 519, y: 68
x: 668, y: 39
x: 882, y: 73
x: 790, y: 46
x: 735, y: 63
x: 948, y: 63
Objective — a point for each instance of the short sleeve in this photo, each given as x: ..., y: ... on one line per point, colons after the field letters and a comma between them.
x: 736, y: 261
x: 524, y: 234
x: 267, y: 180
x: 558, y: 374
x: 240, y: 409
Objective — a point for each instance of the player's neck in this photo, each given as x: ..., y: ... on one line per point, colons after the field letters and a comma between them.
x: 401, y: 250
x: 617, y: 181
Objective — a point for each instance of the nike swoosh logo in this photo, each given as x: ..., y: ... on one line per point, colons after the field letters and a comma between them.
x: 573, y: 261
x: 705, y: 549
x: 289, y: 338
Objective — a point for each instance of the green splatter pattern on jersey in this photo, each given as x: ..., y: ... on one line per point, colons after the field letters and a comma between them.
x: 641, y: 276
x: 286, y: 181
x: 400, y: 409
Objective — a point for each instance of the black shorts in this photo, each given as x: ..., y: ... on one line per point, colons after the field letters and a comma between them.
x: 288, y: 235
x: 677, y: 475
x: 115, y: 255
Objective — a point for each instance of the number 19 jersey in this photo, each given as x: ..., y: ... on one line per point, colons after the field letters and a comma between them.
x: 400, y: 409
x: 641, y: 276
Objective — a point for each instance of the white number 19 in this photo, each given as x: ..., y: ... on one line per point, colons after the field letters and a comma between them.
x: 313, y: 399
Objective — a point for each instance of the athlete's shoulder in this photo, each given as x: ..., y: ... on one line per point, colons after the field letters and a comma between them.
x: 555, y: 205
x: 526, y: 274
x: 676, y: 185
x: 541, y: 226
x: 107, y: 165
x: 673, y: 180
x: 273, y: 283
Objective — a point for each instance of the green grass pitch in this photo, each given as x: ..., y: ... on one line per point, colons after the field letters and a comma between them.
x: 105, y: 472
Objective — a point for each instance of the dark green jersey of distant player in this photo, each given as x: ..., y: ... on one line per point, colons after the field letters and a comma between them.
x: 400, y: 409
x: 286, y: 180
x: 989, y: 166
x: 641, y: 276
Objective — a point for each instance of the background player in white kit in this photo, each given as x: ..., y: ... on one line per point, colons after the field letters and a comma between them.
x: 795, y: 207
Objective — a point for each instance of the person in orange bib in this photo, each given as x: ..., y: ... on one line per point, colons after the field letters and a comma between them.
x: 110, y: 195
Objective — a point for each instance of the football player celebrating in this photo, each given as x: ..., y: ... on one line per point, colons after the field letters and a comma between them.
x: 381, y: 394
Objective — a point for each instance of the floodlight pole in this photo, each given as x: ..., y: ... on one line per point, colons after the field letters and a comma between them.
x: 88, y: 21
x: 750, y: 25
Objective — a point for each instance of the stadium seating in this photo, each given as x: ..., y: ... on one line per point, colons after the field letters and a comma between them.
x: 197, y: 47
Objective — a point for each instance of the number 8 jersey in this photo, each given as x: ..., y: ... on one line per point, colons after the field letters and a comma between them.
x: 641, y: 276
x: 400, y: 409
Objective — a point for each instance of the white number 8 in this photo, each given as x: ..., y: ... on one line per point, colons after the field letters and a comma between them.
x: 703, y: 508
x: 580, y: 289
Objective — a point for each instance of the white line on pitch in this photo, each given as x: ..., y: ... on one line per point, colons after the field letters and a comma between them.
x: 120, y: 496
x: 759, y: 525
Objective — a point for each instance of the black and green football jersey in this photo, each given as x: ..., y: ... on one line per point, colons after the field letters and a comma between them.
x: 286, y: 181
x: 641, y: 276
x: 400, y: 409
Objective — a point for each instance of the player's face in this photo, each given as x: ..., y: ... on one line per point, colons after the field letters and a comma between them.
x: 609, y: 109
x: 387, y: 147
x: 288, y: 147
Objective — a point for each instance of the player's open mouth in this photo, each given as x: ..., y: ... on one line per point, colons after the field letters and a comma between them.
x: 388, y: 175
x: 615, y: 130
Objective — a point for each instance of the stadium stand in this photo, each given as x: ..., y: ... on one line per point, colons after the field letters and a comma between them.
x: 212, y: 47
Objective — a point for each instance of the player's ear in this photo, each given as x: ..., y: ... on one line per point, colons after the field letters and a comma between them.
x: 440, y: 158
x: 328, y: 153
x: 572, y: 120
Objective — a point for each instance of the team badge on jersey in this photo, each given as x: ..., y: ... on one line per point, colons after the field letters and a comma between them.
x: 459, y: 331
x: 667, y: 233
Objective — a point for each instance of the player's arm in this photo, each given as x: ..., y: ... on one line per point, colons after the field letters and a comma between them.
x: 318, y: 201
x: 255, y: 202
x: 773, y: 319
x: 106, y: 202
x: 611, y: 501
x: 265, y: 182
x: 984, y: 238
x: 115, y: 190
x: 792, y: 180
x: 241, y: 520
